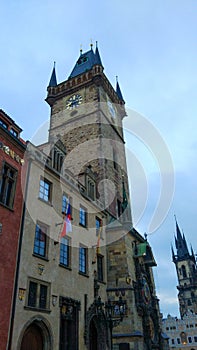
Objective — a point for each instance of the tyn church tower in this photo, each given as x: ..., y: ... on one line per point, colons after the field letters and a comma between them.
x: 186, y: 270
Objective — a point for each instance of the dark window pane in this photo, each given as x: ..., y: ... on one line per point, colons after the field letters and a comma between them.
x: 43, y: 297
x: 82, y: 259
x: 64, y: 252
x: 82, y: 217
x: 100, y: 267
x: 32, y: 294
x: 40, y: 242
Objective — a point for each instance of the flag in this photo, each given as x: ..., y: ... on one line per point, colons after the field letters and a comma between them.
x: 67, y: 226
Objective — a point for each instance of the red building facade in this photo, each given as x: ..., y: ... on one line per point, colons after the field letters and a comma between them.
x: 12, y: 149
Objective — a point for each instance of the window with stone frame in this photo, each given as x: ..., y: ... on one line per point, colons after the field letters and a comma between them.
x: 83, y: 216
x: 83, y: 260
x: 45, y: 190
x: 40, y: 240
x: 38, y: 294
x: 8, y: 185
x: 65, y: 252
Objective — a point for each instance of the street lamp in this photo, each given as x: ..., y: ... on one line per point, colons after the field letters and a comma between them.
x: 114, y: 313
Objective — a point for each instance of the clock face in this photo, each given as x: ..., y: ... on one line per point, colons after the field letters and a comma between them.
x: 74, y: 101
x: 111, y: 109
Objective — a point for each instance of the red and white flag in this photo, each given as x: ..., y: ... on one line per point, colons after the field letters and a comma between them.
x: 67, y: 226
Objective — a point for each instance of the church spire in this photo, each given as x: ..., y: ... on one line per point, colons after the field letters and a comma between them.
x: 180, y: 243
x: 53, y: 80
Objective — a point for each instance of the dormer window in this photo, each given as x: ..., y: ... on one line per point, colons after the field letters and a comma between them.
x: 82, y: 60
x: 3, y: 124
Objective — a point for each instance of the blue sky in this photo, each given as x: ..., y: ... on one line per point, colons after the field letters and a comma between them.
x: 151, y: 46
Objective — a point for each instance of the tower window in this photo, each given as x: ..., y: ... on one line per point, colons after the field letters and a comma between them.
x: 184, y: 271
x: 82, y: 60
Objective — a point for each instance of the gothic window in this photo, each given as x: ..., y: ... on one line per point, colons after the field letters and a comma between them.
x: 45, y: 190
x: 8, y: 185
x: 178, y: 341
x: 57, y: 159
x: 184, y: 271
x: 38, y: 294
x: 65, y: 252
x: 190, y: 339
x: 40, y: 240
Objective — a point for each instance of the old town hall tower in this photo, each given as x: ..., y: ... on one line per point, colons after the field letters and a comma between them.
x: 86, y: 124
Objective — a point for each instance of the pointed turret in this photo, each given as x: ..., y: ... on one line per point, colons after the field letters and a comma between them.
x: 97, y: 56
x: 53, y: 80
x: 118, y: 91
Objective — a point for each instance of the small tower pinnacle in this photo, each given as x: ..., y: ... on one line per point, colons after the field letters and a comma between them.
x: 118, y: 91
x: 53, y: 80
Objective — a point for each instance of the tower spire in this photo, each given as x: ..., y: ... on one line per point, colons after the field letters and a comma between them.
x: 180, y: 242
x: 118, y: 91
x: 97, y: 56
x: 53, y: 80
